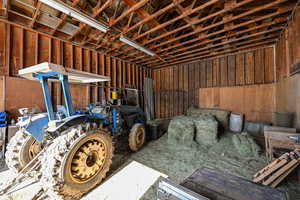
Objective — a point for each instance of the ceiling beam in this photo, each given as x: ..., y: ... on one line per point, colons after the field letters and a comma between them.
x: 211, y: 42
x: 209, y: 54
x: 205, y: 37
x: 187, y: 26
x: 185, y: 14
x: 129, y: 11
x: 220, y: 55
x: 227, y: 42
x: 64, y: 18
x: 96, y: 13
x: 35, y: 15
x: 223, y: 22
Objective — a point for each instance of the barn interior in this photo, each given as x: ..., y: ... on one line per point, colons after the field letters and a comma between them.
x: 149, y: 99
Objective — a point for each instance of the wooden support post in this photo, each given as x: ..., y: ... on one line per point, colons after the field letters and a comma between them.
x: 22, y: 49
x: 8, y: 49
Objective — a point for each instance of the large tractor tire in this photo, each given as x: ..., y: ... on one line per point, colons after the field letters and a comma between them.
x: 137, y: 137
x: 76, y: 162
x: 21, y: 149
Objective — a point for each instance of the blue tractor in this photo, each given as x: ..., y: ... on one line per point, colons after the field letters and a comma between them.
x: 75, y: 148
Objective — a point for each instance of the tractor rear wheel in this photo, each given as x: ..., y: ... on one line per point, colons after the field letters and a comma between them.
x: 76, y: 162
x: 21, y: 149
x: 137, y: 137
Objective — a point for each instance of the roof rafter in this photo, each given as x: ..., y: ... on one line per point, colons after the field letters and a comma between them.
x: 215, y: 34
x: 265, y: 6
x: 208, y: 54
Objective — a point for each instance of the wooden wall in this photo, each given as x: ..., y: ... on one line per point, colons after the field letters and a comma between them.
x: 21, y: 47
x: 288, y: 48
x: 257, y: 102
x: 287, y: 54
x: 178, y: 87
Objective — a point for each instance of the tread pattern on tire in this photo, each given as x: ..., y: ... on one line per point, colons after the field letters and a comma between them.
x: 51, y: 172
x: 132, y: 138
x: 12, y: 155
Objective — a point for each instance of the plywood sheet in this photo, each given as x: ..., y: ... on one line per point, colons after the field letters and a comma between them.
x: 257, y: 102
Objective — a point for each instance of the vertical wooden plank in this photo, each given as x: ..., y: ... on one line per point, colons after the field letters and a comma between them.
x: 114, y: 72
x: 108, y: 73
x: 78, y: 58
x: 29, y: 48
x: 14, y: 51
x: 249, y: 68
x: 132, y: 75
x: 231, y: 70
x: 209, y: 72
x: 102, y: 72
x: 240, y: 69
x: 224, y: 71
x: 119, y: 73
x: 3, y: 43
x: 175, y: 89
x: 158, y: 93
x: 8, y: 49
x: 85, y: 60
x: 203, y: 74
x: 259, y: 66
x: 137, y: 80
x: 216, y: 72
x: 269, y: 65
x: 43, y: 49
x: 67, y: 48
x: 186, y: 87
x: 37, y: 48
x: 22, y: 49
x: 124, y: 77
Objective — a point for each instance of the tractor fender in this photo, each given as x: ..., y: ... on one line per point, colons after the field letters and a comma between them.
x: 34, y: 125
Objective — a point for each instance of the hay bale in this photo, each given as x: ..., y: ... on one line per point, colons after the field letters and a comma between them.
x: 206, y: 129
x: 181, y: 132
x: 222, y: 116
x: 245, y: 145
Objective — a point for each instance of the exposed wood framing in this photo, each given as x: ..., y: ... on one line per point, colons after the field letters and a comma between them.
x: 176, y: 31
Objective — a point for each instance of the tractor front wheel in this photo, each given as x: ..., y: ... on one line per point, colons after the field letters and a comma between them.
x: 21, y: 149
x: 137, y: 137
x: 76, y: 162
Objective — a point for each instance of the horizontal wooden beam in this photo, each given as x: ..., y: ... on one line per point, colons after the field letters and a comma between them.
x: 221, y: 53
x: 187, y: 26
x: 129, y: 11
x: 260, y: 8
x: 214, y: 47
x: 211, y: 41
x: 203, y: 39
x: 96, y: 13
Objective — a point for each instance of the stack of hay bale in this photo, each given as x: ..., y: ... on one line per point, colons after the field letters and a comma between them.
x: 203, y: 126
x: 198, y: 127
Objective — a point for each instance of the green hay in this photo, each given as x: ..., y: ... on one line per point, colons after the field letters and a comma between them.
x: 190, y: 131
x: 222, y: 116
x: 181, y: 162
x: 245, y: 145
x: 181, y: 132
x: 206, y: 129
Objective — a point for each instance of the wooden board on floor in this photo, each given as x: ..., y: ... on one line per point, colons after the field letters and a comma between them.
x: 217, y: 185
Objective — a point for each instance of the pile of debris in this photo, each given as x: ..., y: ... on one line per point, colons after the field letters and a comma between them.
x: 277, y: 170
